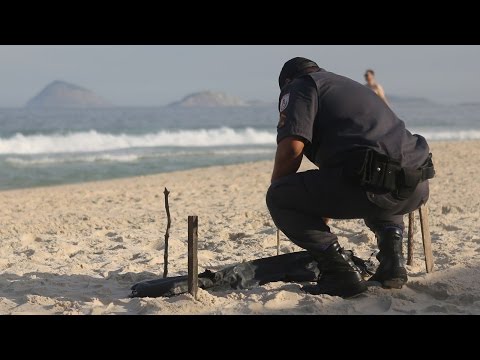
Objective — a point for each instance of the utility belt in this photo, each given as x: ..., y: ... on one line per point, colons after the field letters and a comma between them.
x: 380, y: 174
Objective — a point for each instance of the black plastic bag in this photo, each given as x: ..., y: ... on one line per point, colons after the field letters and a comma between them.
x: 292, y: 267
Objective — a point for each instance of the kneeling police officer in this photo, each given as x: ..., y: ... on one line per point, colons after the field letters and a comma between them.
x: 370, y: 167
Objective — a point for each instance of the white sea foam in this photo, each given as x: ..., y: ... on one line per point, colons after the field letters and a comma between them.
x: 93, y: 141
x: 450, y: 134
x: 47, y: 160
x: 125, y: 158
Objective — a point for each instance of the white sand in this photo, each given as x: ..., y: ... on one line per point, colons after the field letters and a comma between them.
x: 77, y: 249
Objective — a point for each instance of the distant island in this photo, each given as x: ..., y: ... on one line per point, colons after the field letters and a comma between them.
x: 61, y: 94
x: 409, y: 99
x: 470, y: 103
x: 209, y: 99
x: 220, y: 99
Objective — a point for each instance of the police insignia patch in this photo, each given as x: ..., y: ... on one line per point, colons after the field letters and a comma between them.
x: 281, y: 121
x: 284, y: 102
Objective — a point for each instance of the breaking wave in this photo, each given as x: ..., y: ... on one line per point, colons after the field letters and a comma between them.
x: 128, y: 158
x: 451, y: 135
x: 93, y: 141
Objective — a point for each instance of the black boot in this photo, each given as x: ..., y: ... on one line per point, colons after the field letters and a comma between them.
x: 391, y: 272
x: 338, y: 276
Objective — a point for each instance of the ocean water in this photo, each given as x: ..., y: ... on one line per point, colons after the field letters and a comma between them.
x: 48, y: 147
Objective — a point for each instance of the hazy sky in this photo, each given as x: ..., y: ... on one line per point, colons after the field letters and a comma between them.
x: 156, y: 75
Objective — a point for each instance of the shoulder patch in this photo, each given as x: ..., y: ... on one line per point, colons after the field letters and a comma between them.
x: 284, y: 102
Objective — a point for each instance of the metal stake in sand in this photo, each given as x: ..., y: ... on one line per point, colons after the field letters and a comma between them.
x: 411, y: 230
x: 167, y: 235
x: 278, y: 242
x: 192, y: 255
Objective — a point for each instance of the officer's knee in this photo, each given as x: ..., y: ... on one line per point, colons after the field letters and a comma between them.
x: 271, y: 197
x: 275, y: 197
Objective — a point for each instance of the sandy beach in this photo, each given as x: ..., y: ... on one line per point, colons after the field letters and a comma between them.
x: 77, y: 249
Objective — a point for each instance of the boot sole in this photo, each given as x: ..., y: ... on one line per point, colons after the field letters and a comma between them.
x: 393, y: 283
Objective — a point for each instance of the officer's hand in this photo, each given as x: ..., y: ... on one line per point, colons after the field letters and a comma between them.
x: 326, y: 220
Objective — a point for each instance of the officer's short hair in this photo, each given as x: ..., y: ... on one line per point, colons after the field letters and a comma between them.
x: 296, y: 67
x: 369, y: 71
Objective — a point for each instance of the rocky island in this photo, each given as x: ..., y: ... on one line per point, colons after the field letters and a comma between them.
x: 209, y: 99
x: 61, y: 94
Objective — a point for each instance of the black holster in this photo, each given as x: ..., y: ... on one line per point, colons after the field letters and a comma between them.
x: 379, y: 173
x: 408, y: 179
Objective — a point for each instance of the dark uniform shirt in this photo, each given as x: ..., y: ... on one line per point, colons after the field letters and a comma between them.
x: 335, y: 115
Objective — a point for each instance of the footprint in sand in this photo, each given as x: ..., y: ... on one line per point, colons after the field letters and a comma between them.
x: 443, y: 309
x: 236, y: 236
x: 451, y: 227
x: 438, y: 291
x: 114, y: 237
x: 118, y: 247
x: 448, y: 209
x: 28, y: 252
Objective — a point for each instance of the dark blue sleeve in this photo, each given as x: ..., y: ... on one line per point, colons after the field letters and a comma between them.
x: 298, y: 107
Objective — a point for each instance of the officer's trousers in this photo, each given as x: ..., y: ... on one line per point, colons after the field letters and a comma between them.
x: 299, y: 202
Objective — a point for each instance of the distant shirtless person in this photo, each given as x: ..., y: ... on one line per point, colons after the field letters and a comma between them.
x: 372, y: 84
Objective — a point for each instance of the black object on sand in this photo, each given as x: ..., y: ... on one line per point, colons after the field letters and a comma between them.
x: 292, y: 267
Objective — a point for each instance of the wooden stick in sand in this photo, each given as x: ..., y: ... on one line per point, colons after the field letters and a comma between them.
x: 278, y: 242
x: 193, y: 255
x: 167, y: 235
x: 427, y: 241
x: 411, y: 230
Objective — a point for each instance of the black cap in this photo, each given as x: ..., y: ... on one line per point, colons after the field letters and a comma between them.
x: 294, y: 67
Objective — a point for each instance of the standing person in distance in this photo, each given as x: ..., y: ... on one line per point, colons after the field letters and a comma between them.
x: 371, y: 82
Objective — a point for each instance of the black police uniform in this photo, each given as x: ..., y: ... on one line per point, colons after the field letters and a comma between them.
x: 334, y: 116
